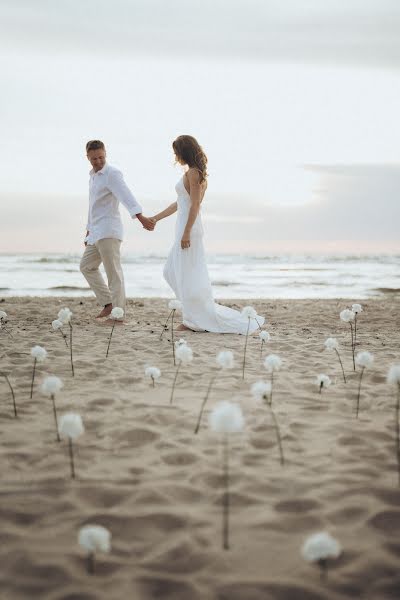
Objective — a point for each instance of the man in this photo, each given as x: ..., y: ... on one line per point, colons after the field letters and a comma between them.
x: 107, y: 189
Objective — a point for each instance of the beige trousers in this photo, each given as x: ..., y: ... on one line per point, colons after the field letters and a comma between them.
x: 106, y: 251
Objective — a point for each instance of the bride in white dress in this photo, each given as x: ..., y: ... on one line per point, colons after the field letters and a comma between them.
x: 186, y: 268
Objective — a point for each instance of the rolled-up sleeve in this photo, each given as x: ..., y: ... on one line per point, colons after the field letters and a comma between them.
x: 120, y: 190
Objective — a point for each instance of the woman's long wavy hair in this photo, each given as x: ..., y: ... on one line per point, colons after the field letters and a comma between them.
x: 188, y: 149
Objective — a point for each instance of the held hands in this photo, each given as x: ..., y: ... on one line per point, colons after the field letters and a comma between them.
x: 147, y: 223
x: 185, y: 241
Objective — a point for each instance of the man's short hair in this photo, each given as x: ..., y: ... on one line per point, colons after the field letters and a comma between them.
x: 95, y: 145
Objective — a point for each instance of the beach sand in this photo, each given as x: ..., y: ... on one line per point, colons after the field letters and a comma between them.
x: 143, y: 474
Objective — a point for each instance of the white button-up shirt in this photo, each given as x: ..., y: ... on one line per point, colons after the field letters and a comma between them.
x: 107, y: 189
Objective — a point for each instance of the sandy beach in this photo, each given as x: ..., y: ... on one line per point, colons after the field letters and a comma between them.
x: 142, y: 473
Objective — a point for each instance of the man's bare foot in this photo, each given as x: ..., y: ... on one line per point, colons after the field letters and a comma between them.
x: 105, y: 312
x: 183, y: 327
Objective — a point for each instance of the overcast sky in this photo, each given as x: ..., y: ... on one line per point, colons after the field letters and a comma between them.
x: 295, y: 102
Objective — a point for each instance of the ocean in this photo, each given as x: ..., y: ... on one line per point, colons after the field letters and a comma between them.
x: 232, y: 276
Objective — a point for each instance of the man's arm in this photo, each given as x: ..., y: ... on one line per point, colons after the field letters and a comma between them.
x: 120, y: 190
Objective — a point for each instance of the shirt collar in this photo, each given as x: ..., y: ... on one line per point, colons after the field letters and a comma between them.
x: 102, y: 171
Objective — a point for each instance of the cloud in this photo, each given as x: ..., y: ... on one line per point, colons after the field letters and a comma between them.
x: 361, y: 32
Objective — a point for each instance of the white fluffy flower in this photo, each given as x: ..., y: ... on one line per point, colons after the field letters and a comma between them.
x: 264, y: 336
x: 364, y: 359
x: 394, y: 374
x: 356, y: 308
x: 347, y: 315
x: 64, y: 315
x: 272, y: 362
x: 323, y: 380
x: 225, y: 359
x: 57, y: 324
x: 152, y: 372
x: 71, y: 425
x: 184, y: 353
x: 260, y: 390
x: 175, y: 305
x: 331, y: 343
x: 117, y: 313
x: 249, y: 312
x: 320, y: 546
x: 38, y: 353
x: 226, y: 418
x: 51, y: 385
x: 180, y: 343
x: 94, y: 538
x: 3, y: 315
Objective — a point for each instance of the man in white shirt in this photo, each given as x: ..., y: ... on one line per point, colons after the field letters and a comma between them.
x: 107, y: 189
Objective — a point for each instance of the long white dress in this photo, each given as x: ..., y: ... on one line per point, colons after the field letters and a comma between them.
x: 186, y: 273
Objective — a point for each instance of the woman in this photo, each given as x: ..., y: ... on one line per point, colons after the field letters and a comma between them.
x: 186, y: 269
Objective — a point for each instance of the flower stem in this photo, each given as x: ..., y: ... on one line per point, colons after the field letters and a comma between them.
x: 70, y: 349
x: 152, y: 378
x: 261, y: 349
x: 245, y: 348
x: 359, y: 392
x: 398, y: 431
x: 90, y: 563
x: 352, y: 345
x: 71, y: 457
x: 341, y: 364
x: 323, y: 572
x: 33, y: 376
x: 225, y: 514
x: 55, y: 416
x: 109, y: 341
x: 64, y: 337
x: 278, y: 437
x: 166, y: 323
x: 355, y: 331
x: 272, y: 383
x: 321, y: 385
x: 172, y: 335
x: 204, y: 404
x: 173, y: 385
x: 13, y: 395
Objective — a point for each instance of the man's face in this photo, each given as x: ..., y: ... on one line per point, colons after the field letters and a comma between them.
x: 97, y: 159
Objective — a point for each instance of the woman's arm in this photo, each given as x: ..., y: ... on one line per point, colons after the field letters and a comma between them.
x: 195, y: 201
x: 170, y: 210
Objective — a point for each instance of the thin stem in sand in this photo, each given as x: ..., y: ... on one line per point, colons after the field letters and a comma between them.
x: 323, y: 569
x: 172, y: 335
x: 359, y: 392
x: 71, y: 457
x: 33, y: 376
x: 63, y: 336
x: 352, y: 346
x: 226, y: 500
x: 166, y: 323
x: 55, y: 416
x: 341, y: 364
x: 12, y: 393
x: 204, y: 404
x: 321, y: 385
x: 278, y: 436
x: 175, y: 378
x: 245, y: 348
x: 70, y: 350
x: 90, y: 563
x: 109, y: 341
x: 261, y: 349
x: 272, y: 385
x: 355, y: 330
x: 152, y: 379
x: 398, y: 431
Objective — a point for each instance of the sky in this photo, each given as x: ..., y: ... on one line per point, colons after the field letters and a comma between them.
x: 294, y: 101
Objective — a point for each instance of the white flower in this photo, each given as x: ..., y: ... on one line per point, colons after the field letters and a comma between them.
x: 38, y: 353
x: 64, y: 315
x: 331, y: 344
x: 394, y: 374
x: 180, y: 343
x: 94, y: 538
x: 71, y: 426
x: 320, y: 546
x: 323, y: 380
x: 356, y: 308
x: 152, y: 372
x: 272, y: 362
x: 117, y: 313
x: 184, y: 353
x: 57, y: 324
x: 225, y: 359
x: 260, y: 390
x: 364, y: 359
x: 264, y: 336
x: 249, y: 312
x: 3, y: 315
x: 175, y: 305
x: 226, y: 418
x: 51, y: 385
x: 347, y: 315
